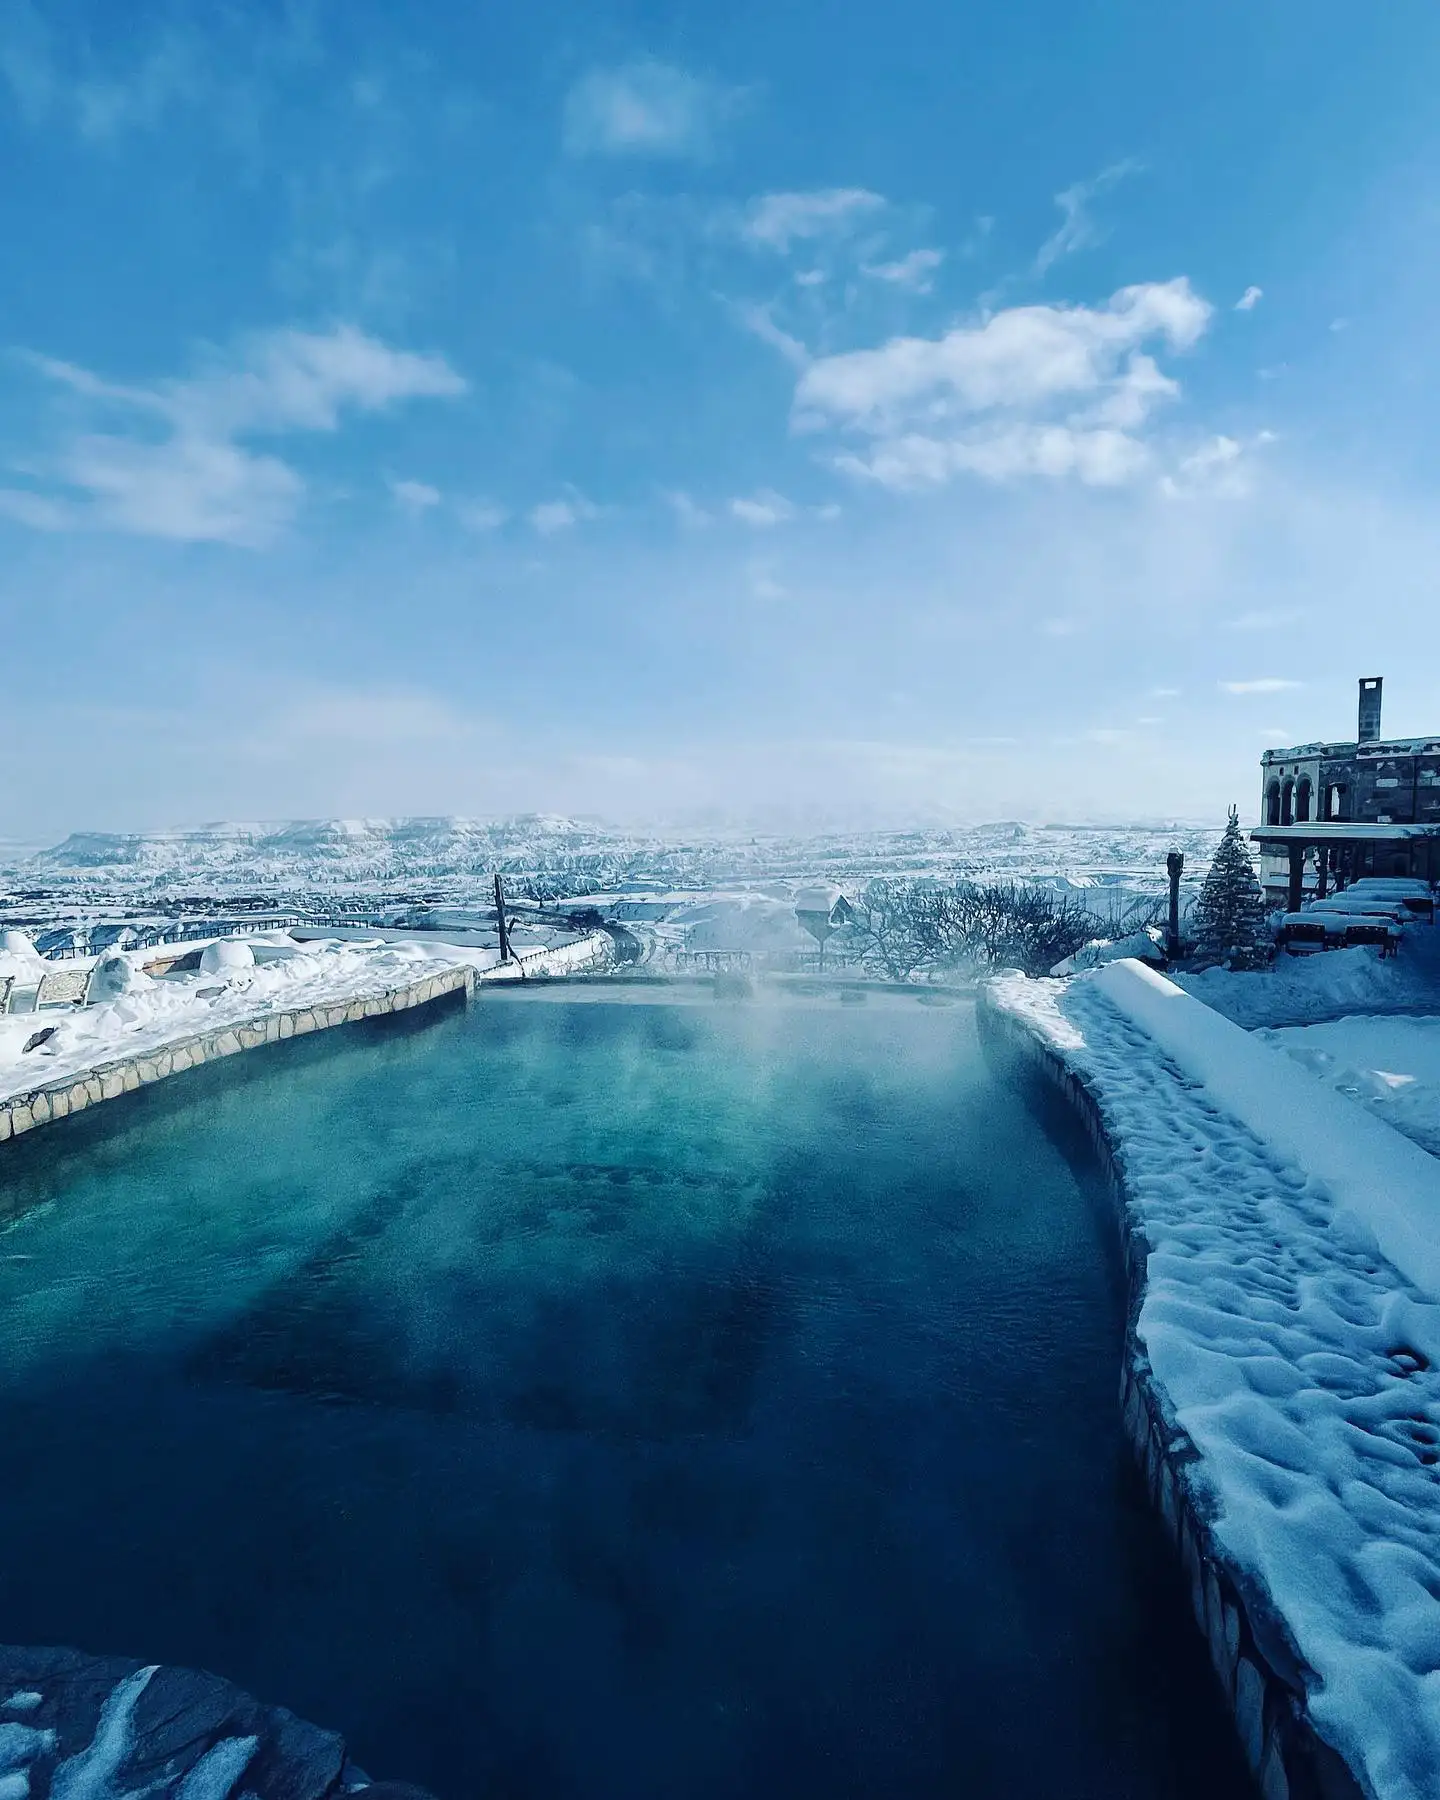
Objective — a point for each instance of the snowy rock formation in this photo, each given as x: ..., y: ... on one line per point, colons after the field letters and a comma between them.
x: 104, y: 1728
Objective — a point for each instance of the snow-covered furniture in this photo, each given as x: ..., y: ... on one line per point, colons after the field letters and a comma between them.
x: 7, y: 982
x: 1326, y: 928
x: 63, y: 987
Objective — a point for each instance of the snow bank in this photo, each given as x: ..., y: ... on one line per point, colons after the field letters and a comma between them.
x: 1301, y: 1364
x: 1390, y: 1066
x: 225, y: 956
x: 151, y: 1014
x: 1386, y: 1181
x: 1299, y: 990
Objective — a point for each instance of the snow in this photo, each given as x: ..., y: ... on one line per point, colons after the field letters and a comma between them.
x: 1299, y: 990
x: 90, y: 1773
x: 177, y: 1007
x: 1302, y: 1362
x: 1390, y: 1066
x: 225, y: 957
x: 1392, y: 1187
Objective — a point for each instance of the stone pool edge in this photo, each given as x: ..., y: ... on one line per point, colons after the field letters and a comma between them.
x: 60, y: 1099
x: 1257, y: 1668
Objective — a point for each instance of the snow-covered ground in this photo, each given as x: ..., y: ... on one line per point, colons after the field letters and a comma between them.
x: 1331, y: 984
x: 1302, y: 1361
x: 1391, y: 1066
x: 158, y: 1012
x: 459, y: 855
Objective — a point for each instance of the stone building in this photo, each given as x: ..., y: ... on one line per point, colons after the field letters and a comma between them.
x: 1332, y: 812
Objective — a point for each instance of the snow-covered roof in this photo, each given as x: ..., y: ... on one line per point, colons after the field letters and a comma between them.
x: 817, y: 899
x: 1321, y: 831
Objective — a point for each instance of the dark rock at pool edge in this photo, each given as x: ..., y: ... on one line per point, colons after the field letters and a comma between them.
x: 106, y: 1724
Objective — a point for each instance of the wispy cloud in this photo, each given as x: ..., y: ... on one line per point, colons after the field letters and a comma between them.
x: 759, y: 321
x: 1033, y: 390
x: 481, y: 515
x: 1077, y: 229
x: 414, y: 497
x: 1264, y: 684
x: 1250, y: 299
x: 687, y: 510
x: 181, y: 467
x: 646, y: 108
x: 763, y: 509
x: 563, y: 514
x: 915, y: 271
x: 777, y: 221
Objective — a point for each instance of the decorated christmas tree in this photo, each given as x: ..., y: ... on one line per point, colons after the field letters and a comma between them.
x: 1229, y: 922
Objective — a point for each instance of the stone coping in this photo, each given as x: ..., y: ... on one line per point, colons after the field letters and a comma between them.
x: 125, y: 1074
x: 1259, y: 1671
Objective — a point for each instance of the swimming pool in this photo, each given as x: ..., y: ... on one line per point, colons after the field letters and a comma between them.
x: 606, y: 1396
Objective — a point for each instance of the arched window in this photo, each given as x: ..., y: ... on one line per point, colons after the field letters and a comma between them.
x: 1272, y: 803
x: 1303, y: 791
x: 1287, y: 802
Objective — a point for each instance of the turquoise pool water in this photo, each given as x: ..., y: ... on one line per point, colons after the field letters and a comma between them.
x: 603, y: 1398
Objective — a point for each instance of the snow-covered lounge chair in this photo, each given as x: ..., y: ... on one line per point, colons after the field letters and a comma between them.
x: 63, y: 987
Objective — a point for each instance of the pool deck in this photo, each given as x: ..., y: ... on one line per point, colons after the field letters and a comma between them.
x: 108, y: 1080
x: 1272, y: 1429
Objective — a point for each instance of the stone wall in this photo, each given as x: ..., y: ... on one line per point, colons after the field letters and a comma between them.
x: 1262, y: 1676
x: 123, y: 1075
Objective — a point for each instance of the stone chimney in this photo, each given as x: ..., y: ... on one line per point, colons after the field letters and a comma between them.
x: 1370, y: 686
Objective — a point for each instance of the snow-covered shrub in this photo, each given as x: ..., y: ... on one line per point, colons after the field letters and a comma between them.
x: 1147, y: 945
x: 907, y: 928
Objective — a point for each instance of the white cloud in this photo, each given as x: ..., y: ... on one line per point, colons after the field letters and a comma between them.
x: 1249, y: 299
x: 1032, y: 390
x: 1217, y: 467
x: 1077, y: 230
x: 415, y: 497
x: 686, y: 510
x: 1024, y: 356
x: 645, y: 108
x: 1099, y: 458
x: 915, y: 271
x: 763, y: 509
x: 552, y: 516
x: 758, y: 321
x: 775, y: 221
x: 1265, y: 684
x: 184, y: 471
x: 480, y: 515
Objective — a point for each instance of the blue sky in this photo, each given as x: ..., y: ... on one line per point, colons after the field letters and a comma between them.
x: 929, y: 411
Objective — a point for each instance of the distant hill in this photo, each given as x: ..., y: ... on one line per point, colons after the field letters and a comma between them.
x: 556, y: 856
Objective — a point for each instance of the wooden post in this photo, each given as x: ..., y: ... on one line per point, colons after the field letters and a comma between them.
x: 500, y: 918
x: 1322, y: 870
x: 1297, y: 877
x: 1174, y: 865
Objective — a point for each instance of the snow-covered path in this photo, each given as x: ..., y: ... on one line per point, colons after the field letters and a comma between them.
x: 1303, y: 1367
